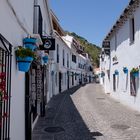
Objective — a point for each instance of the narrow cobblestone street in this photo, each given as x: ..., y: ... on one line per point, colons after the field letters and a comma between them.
x: 86, y: 113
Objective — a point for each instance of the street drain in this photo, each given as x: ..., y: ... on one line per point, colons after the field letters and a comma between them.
x: 100, y: 98
x: 94, y: 134
x: 120, y: 126
x: 137, y: 115
x: 54, y: 129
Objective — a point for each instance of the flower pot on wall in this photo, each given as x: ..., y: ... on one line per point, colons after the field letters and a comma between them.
x: 125, y: 70
x: 135, y: 74
x: 31, y: 47
x: 29, y: 41
x: 24, y: 63
x: 45, y: 59
x: 116, y: 72
x: 102, y: 74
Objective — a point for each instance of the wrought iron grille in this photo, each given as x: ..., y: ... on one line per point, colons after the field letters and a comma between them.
x: 5, y: 87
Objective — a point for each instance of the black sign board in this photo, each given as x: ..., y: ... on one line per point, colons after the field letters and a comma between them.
x: 48, y: 44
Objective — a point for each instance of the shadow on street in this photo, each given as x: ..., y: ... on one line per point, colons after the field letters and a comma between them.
x: 63, y: 121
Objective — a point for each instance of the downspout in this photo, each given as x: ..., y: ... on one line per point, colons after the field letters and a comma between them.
x: 17, y: 18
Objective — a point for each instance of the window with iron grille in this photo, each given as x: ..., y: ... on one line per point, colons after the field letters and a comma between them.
x: 134, y: 84
x: 5, y: 87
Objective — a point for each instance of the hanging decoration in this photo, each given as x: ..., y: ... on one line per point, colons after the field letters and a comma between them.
x: 125, y: 70
x: 135, y: 72
x: 116, y: 72
x: 30, y: 43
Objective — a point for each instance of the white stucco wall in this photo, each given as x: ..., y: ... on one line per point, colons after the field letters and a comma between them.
x: 13, y: 32
x: 128, y: 55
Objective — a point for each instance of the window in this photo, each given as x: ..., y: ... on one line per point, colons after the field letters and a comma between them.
x: 67, y: 60
x: 57, y: 53
x: 74, y: 58
x: 5, y: 87
x: 134, y: 84
x: 56, y: 78
x: 114, y: 82
x: 75, y: 76
x: 63, y: 58
x: 132, y: 30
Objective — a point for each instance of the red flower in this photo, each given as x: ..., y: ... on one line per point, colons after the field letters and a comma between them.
x: 2, y: 75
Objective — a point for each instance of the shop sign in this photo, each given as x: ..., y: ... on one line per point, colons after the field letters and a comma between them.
x: 39, y: 84
x: 48, y: 44
x: 115, y: 60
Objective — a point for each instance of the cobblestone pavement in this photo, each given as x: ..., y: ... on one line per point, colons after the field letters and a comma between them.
x: 86, y: 113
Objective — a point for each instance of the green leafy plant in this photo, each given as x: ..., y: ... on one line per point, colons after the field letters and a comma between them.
x: 25, y: 52
x: 135, y: 70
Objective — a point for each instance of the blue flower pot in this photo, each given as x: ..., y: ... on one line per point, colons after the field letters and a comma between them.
x: 24, y: 63
x: 135, y: 74
x: 31, y: 46
x: 102, y: 74
x: 125, y: 71
x: 116, y: 73
x: 29, y: 40
x: 45, y: 59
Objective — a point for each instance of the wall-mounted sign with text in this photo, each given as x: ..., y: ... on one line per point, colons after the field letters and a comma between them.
x: 115, y: 60
x: 48, y: 44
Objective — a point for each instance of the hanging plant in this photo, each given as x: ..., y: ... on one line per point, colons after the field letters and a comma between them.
x: 116, y: 72
x: 30, y: 43
x: 135, y: 72
x: 125, y: 70
x: 45, y: 59
x: 24, y: 58
x: 102, y: 74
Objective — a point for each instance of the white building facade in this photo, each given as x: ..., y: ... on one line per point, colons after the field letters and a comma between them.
x: 119, y: 62
x: 18, y: 21
x: 24, y: 95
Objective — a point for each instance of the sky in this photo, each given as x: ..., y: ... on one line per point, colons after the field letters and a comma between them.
x: 91, y: 19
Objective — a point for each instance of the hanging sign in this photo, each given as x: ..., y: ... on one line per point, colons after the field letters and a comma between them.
x: 39, y: 84
x: 48, y: 44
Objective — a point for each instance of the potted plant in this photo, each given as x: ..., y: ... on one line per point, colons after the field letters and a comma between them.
x: 45, y: 59
x: 135, y: 72
x: 102, y: 74
x: 125, y: 70
x: 30, y: 43
x: 116, y: 72
x: 24, y: 58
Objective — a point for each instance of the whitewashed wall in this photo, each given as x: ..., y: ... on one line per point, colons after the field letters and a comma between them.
x: 13, y: 32
x: 11, y: 27
x: 128, y: 55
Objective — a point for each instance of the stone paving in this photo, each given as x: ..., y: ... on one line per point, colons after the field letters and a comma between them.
x: 86, y: 113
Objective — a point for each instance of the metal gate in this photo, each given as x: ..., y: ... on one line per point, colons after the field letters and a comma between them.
x: 5, y: 87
